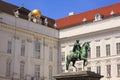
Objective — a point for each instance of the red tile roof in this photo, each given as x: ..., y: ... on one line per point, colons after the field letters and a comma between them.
x: 89, y: 15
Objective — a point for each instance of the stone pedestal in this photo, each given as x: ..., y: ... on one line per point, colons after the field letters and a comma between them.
x: 83, y: 75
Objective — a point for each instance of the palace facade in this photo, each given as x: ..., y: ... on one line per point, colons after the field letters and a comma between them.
x: 100, y: 27
x: 28, y: 49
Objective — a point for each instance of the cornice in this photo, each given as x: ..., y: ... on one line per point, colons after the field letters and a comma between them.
x: 28, y: 32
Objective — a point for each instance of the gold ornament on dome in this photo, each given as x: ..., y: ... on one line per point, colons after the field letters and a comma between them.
x: 36, y: 13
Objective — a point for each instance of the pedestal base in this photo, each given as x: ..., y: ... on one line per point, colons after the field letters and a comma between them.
x: 83, y: 75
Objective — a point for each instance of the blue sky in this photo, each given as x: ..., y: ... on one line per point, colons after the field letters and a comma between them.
x: 57, y: 9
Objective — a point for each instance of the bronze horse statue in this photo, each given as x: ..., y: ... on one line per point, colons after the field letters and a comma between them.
x: 78, y: 55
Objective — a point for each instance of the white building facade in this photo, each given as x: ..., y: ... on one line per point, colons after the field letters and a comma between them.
x: 104, y: 38
x: 33, y: 51
x: 28, y: 51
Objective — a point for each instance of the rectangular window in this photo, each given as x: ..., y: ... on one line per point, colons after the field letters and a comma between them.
x: 118, y: 48
x: 37, y: 49
x: 22, y: 71
x: 108, y: 50
x: 97, y: 51
x: 9, y: 47
x: 37, y: 72
x: 98, y: 69
x: 51, y: 54
x: 118, y: 70
x: 108, y: 68
x: 22, y: 49
x: 8, y: 69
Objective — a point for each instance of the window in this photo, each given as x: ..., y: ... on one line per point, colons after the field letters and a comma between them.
x: 118, y: 70
x: 50, y: 72
x: 23, y: 48
x: 37, y: 49
x: 37, y: 72
x: 22, y: 67
x: 108, y: 68
x: 9, y: 47
x: 51, y: 54
x: 118, y: 48
x: 108, y: 50
x: 98, y: 69
x: 97, y: 51
x: 8, y: 68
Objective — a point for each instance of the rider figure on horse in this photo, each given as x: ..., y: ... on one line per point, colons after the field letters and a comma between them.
x: 77, y: 48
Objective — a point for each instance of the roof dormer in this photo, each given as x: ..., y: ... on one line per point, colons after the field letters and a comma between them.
x: 98, y: 17
x: 112, y: 13
x: 84, y: 20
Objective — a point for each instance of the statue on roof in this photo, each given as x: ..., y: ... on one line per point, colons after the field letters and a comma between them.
x: 34, y: 15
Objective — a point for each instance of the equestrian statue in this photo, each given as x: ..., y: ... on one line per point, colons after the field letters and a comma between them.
x: 78, y: 53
